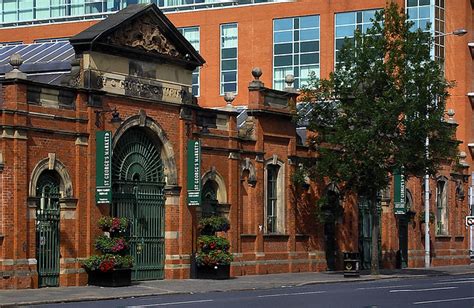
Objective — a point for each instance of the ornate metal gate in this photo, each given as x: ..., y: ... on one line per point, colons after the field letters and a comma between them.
x: 138, y: 188
x: 47, y: 229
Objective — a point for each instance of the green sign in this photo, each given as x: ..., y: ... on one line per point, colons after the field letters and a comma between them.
x: 399, y: 193
x: 194, y: 173
x: 103, y: 179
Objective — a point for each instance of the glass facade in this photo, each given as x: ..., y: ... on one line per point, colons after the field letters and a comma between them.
x: 15, y: 12
x: 229, y: 54
x: 295, y: 49
x: 347, y: 23
x: 192, y: 35
x: 429, y: 15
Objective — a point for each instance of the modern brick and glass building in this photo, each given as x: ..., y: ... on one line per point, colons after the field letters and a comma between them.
x: 48, y: 125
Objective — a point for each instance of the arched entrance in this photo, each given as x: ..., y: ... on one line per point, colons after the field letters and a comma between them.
x: 138, y: 186
x: 47, y: 228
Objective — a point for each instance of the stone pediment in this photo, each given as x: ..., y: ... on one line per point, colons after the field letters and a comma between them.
x: 144, y: 34
x: 140, y: 29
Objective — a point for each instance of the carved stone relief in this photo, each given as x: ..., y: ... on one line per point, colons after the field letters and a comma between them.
x: 144, y: 33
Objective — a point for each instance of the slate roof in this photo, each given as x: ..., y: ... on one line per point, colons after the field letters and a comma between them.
x: 93, y: 35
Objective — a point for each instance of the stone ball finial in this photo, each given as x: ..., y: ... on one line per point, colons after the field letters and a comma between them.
x: 229, y: 97
x: 289, y: 79
x: 451, y: 112
x: 15, y: 60
x: 462, y: 155
x: 257, y: 72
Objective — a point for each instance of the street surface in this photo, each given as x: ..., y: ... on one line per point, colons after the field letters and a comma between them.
x: 439, y: 291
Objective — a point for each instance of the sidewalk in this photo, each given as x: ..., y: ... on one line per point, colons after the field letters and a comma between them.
x: 163, y: 287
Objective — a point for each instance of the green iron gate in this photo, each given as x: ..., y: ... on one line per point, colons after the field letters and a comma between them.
x: 365, y: 234
x: 137, y: 194
x: 47, y: 229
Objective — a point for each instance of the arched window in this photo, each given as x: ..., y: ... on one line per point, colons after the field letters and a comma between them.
x: 274, y: 197
x: 442, y: 207
x: 209, y: 198
x: 47, y: 189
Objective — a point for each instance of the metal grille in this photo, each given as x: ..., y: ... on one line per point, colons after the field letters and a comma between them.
x: 47, y: 230
x: 143, y: 203
x: 138, y: 195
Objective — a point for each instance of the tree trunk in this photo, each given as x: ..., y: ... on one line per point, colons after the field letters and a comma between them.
x: 374, y: 263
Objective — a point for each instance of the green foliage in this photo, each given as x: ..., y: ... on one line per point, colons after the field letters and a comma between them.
x: 375, y: 111
x: 113, y: 224
x: 107, y: 262
x: 372, y: 116
x: 210, y: 225
x: 107, y: 244
x: 111, y: 245
x: 213, y: 250
x: 421, y: 217
x: 298, y: 177
x: 212, y: 242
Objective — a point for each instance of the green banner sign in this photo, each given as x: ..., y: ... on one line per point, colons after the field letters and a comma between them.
x: 103, y: 168
x: 399, y: 193
x: 194, y: 173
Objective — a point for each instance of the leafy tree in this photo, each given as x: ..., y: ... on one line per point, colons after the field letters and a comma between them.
x: 373, y: 114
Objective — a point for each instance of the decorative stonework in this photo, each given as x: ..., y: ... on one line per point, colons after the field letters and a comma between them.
x: 144, y: 33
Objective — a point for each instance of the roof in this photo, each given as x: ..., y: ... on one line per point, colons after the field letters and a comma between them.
x: 98, y: 33
x: 43, y: 62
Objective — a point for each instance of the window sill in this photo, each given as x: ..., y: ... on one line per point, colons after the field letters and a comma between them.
x: 276, y: 235
x: 248, y: 235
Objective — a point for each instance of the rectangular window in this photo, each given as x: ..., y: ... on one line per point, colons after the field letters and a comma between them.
x: 229, y: 53
x: 192, y: 35
x: 347, y: 23
x: 295, y: 49
x: 429, y: 16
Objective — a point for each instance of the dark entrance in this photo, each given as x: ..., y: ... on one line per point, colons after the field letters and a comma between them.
x: 47, y: 229
x: 403, y: 221
x: 365, y: 233
x: 330, y: 209
x: 138, y: 187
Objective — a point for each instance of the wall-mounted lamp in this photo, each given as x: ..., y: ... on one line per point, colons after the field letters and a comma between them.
x: 116, y: 119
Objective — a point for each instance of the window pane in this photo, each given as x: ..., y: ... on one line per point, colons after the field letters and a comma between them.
x: 345, y: 18
x: 283, y: 48
x: 283, y: 60
x: 285, y: 36
x: 309, y: 58
x: 283, y: 24
x: 424, y: 12
x: 309, y: 22
x: 229, y: 53
x: 230, y: 87
x: 229, y: 65
x: 229, y: 76
x: 309, y: 46
x: 306, y: 35
x: 345, y: 31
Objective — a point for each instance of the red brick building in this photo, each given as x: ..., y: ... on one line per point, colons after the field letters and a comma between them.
x: 137, y: 67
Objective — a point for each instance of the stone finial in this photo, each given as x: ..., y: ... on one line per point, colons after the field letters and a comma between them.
x: 16, y: 61
x: 229, y: 97
x: 450, y: 113
x: 256, y: 83
x: 462, y: 159
x: 289, y: 80
x: 256, y: 73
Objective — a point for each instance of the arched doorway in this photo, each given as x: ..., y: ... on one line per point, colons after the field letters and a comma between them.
x: 138, y: 187
x: 331, y: 210
x: 47, y: 228
x: 209, y: 199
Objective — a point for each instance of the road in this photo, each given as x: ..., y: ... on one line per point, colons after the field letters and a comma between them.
x: 440, y: 291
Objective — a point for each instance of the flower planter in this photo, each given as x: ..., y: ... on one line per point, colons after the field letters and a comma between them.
x: 116, y: 278
x: 213, y: 272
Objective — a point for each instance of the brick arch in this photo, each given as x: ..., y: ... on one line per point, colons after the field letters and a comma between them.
x: 219, y: 180
x: 65, y: 185
x: 167, y: 152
